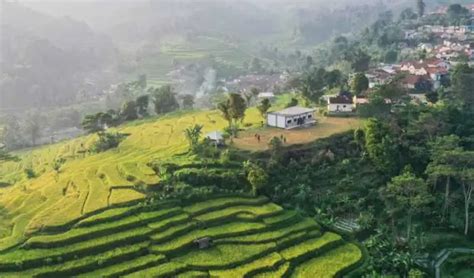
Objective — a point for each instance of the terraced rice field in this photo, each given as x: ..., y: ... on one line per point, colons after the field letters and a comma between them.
x: 157, y: 66
x: 251, y: 238
x: 90, y: 182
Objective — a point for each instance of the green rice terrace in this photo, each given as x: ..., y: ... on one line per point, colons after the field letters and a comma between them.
x: 244, y: 236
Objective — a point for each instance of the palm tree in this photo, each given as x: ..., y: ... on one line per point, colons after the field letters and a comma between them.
x: 192, y: 135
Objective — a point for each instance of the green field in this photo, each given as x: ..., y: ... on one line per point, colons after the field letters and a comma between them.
x: 251, y: 237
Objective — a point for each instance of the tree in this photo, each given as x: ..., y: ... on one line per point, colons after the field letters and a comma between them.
x: 142, y: 103
x: 408, y: 14
x: 391, y: 56
x: 91, y: 124
x: 237, y: 107
x: 33, y: 127
x: 165, y: 100
x: 255, y: 91
x: 129, y: 111
x: 442, y: 168
x: 381, y: 146
x: 456, y: 11
x: 359, y: 60
x: 360, y: 83
x: 420, y: 7
x: 463, y: 83
x: 192, y: 135
x: 58, y: 163
x: 5, y: 156
x: 406, y: 196
x: 224, y: 107
x: 264, y: 106
x: 256, y: 176
x: 188, y: 101
x: 107, y: 141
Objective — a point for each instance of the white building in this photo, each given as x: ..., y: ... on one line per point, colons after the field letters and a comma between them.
x: 291, y: 117
x: 341, y: 104
x: 216, y: 137
x: 263, y: 95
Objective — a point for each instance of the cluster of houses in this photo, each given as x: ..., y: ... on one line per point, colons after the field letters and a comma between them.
x: 421, y: 76
x: 265, y: 82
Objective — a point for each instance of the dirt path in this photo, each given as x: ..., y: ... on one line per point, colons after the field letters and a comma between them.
x: 324, y: 128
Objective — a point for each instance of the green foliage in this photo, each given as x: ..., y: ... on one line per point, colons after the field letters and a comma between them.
x: 29, y: 173
x: 107, y: 141
x: 463, y: 83
x: 264, y: 106
x: 58, y: 163
x: 360, y: 83
x: 381, y: 146
x: 192, y: 135
x: 129, y: 111
x: 406, y: 196
x: 142, y: 103
x: 256, y: 176
x: 164, y: 99
x: 188, y: 101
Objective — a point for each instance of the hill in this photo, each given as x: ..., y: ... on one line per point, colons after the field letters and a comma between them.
x: 40, y: 197
x: 251, y: 237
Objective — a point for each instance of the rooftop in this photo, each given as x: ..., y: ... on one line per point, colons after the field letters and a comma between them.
x: 215, y: 135
x: 295, y: 110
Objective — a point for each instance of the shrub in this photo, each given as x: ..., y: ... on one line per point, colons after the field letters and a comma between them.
x: 30, y: 173
x: 107, y: 141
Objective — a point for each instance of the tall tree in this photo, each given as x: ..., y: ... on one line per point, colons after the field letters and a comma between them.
x: 463, y: 83
x: 237, y: 107
x: 165, y: 100
x: 33, y: 127
x: 406, y: 196
x: 192, y: 135
x: 381, y: 146
x: 360, y: 83
x: 256, y: 176
x: 188, y: 101
x: 225, y: 110
x: 440, y: 167
x: 142, y: 105
x: 420, y: 7
x: 129, y: 111
x: 264, y: 106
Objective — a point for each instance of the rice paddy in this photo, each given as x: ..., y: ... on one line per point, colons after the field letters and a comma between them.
x: 158, y: 240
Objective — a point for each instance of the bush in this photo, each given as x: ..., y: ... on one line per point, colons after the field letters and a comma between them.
x: 30, y: 173
x: 107, y: 141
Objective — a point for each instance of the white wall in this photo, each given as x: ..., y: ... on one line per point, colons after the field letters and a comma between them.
x: 334, y: 107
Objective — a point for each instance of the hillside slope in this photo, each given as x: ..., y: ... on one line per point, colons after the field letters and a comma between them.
x: 88, y: 182
x: 251, y: 237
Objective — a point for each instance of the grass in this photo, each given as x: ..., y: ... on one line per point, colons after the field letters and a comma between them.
x: 157, y: 240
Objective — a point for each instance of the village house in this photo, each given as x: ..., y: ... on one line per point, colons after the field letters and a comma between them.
x: 416, y: 82
x: 291, y: 117
x: 216, y: 137
x: 342, y: 103
x: 378, y: 77
x: 266, y: 95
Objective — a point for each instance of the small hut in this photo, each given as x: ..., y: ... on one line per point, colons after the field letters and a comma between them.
x: 203, y: 243
x: 216, y: 137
